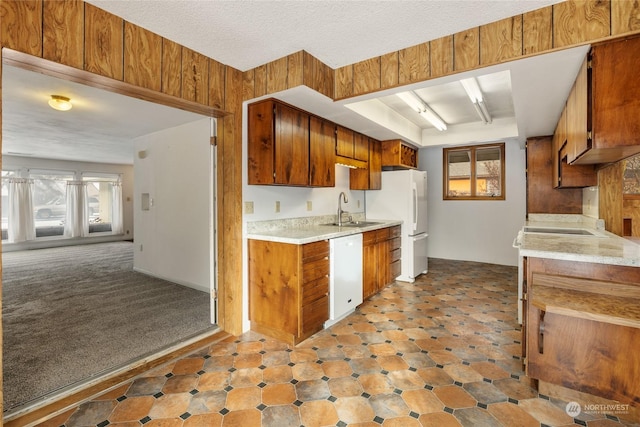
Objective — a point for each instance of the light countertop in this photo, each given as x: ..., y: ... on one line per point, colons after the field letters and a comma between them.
x: 312, y: 231
x: 601, y: 248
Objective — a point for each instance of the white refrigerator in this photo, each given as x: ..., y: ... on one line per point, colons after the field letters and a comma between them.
x: 404, y: 196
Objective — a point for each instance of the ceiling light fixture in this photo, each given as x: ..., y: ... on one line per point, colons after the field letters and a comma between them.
x: 60, y: 103
x: 472, y: 88
x: 414, y: 101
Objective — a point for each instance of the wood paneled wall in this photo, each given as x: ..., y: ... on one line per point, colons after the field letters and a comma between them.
x: 82, y: 36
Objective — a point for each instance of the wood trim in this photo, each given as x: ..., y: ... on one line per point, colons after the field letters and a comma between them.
x: 63, y: 402
x: 50, y: 68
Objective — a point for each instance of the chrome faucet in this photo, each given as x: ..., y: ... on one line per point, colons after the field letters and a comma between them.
x: 342, y: 197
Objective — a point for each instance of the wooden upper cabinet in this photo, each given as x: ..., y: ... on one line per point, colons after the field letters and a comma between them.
x: 21, y: 27
x: 368, y: 178
x: 322, y: 154
x: 103, y: 42
x: 360, y: 147
x: 63, y: 32
x: 344, y: 142
x: 397, y: 154
x: 278, y: 144
x: 143, y: 57
x: 577, y: 116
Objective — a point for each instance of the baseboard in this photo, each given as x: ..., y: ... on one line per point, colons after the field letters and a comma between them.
x: 200, y: 288
x: 54, y: 404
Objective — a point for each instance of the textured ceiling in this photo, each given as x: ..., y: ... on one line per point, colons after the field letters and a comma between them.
x: 246, y: 34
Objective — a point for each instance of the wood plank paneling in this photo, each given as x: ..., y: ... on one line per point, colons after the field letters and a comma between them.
x: 216, y: 84
x: 171, y: 68
x: 277, y: 75
x: 389, y: 69
x: 142, y: 58
x: 414, y: 64
x: 610, y: 202
x: 63, y: 32
x: 625, y: 16
x: 21, y: 27
x: 578, y: 21
x: 318, y: 76
x: 248, y: 84
x: 344, y: 82
x: 260, y: 81
x: 295, y: 69
x: 103, y: 42
x: 366, y: 76
x: 195, y: 76
x: 501, y: 40
x: 537, y: 30
x: 466, y: 49
x: 441, y: 51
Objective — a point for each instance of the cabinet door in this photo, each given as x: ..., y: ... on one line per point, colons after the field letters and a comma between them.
x: 375, y: 165
x: 344, y: 142
x: 577, y: 117
x: 260, y: 146
x: 360, y: 147
x: 322, y: 153
x: 291, y: 146
x: 369, y: 264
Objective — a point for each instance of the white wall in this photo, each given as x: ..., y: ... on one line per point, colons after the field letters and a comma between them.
x: 126, y: 171
x: 173, y: 236
x: 481, y: 231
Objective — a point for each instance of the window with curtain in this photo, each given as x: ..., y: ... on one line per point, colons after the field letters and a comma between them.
x: 50, y: 201
x: 104, y: 203
x: 4, y: 204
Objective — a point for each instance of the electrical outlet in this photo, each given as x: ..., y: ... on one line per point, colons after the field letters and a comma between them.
x: 309, y: 205
x: 358, y: 203
x: 277, y: 206
x: 248, y: 207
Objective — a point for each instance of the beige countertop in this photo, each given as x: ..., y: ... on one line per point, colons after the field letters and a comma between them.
x: 600, y: 247
x: 307, y: 230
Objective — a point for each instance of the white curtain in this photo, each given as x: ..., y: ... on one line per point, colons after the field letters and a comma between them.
x: 117, y: 223
x: 76, y: 222
x: 21, y: 225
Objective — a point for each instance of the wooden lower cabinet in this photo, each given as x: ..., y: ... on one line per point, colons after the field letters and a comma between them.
x: 380, y: 259
x: 288, y: 289
x: 582, y: 327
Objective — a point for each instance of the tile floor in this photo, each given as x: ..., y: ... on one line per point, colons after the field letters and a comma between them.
x: 444, y: 351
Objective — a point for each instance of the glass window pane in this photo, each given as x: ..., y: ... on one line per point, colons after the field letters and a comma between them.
x: 488, y: 173
x: 50, y: 203
x: 459, y: 173
x: 100, y: 194
x: 4, y: 204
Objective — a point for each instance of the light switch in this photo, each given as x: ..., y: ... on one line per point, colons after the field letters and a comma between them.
x: 309, y: 205
x: 277, y: 206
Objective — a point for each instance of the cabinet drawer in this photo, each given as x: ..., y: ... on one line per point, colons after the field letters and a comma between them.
x: 394, y: 269
x: 394, y: 255
x: 315, y: 250
x: 315, y: 314
x: 315, y: 269
x: 394, y: 243
x: 369, y: 238
x: 382, y: 234
x: 314, y: 290
x: 394, y: 231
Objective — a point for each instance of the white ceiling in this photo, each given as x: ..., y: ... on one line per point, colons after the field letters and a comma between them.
x: 525, y: 97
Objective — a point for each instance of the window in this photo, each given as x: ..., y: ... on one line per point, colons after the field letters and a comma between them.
x: 474, y: 172
x: 50, y: 201
x: 100, y: 197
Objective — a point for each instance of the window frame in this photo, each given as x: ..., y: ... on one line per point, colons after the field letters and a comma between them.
x: 472, y: 155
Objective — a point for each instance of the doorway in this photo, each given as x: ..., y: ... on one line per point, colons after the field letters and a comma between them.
x: 90, y: 145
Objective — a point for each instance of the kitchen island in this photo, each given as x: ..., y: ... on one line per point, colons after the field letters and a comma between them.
x: 581, y: 314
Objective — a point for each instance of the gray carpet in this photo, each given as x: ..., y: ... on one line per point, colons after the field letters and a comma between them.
x: 69, y: 313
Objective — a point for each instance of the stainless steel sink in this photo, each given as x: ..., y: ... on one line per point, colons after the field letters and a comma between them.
x: 354, y: 224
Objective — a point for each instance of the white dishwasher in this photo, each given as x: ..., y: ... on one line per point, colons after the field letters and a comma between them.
x: 345, y: 276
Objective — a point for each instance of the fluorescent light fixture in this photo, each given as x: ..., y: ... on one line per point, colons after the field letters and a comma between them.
x: 415, y: 102
x: 60, y: 103
x: 472, y: 88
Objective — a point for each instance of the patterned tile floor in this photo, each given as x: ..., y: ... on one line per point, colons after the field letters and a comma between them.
x: 444, y: 351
